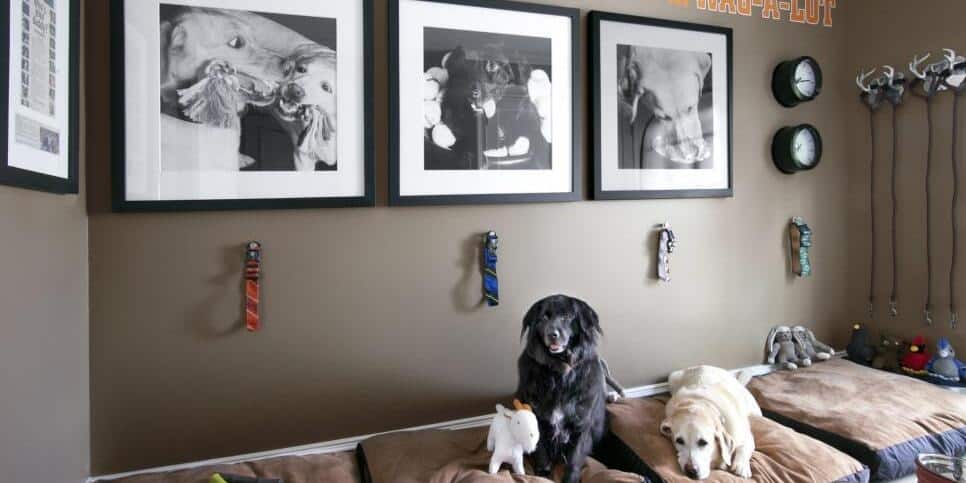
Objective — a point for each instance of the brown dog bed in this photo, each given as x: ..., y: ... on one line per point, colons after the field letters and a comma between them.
x: 781, y: 454
x: 443, y: 456
x: 882, y: 419
x: 334, y: 468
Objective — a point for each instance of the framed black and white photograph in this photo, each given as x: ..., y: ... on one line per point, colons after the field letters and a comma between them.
x: 40, y: 69
x: 662, y: 110
x: 238, y: 104
x: 483, y: 102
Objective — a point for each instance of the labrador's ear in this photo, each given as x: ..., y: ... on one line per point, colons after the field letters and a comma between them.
x: 589, y: 322
x: 532, y: 316
x: 666, y: 428
x: 704, y: 65
x: 726, y: 444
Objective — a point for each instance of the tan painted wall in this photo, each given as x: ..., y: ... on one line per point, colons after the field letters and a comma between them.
x: 44, y: 345
x: 925, y: 26
x: 370, y: 315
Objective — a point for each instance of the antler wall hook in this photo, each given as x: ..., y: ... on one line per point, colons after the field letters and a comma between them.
x: 871, y: 91
x: 894, y: 84
x: 955, y: 71
x: 930, y: 80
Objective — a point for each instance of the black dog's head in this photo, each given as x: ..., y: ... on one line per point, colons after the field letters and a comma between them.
x: 561, y: 326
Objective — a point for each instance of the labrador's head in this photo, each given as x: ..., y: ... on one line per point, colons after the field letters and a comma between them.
x: 194, y: 37
x: 698, y: 436
x: 668, y: 84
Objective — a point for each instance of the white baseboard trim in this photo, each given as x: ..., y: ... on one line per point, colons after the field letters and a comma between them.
x: 348, y: 444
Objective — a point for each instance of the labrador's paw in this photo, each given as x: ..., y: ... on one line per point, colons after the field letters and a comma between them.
x: 742, y: 469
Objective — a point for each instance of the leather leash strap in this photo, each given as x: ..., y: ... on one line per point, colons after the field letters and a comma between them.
x: 253, y: 269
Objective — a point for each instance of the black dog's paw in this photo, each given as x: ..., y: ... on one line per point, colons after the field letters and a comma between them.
x: 543, y: 471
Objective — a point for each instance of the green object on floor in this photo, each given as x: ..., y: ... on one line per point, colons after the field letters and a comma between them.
x: 216, y: 478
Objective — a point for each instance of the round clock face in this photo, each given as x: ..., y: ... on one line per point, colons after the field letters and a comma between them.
x: 804, y: 147
x: 805, y: 79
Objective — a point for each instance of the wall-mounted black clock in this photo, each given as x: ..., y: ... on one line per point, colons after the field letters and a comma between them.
x: 796, y: 148
x: 796, y: 81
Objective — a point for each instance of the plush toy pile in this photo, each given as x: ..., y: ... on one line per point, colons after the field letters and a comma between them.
x: 792, y: 347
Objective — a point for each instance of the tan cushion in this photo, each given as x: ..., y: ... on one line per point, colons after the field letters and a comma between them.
x: 878, y: 408
x: 781, y: 455
x: 443, y: 456
x: 335, y: 468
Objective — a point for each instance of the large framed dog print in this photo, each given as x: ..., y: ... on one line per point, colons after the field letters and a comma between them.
x: 239, y: 104
x: 662, y: 110
x: 38, y: 143
x: 483, y: 102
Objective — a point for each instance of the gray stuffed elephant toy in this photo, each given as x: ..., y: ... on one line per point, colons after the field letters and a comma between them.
x: 782, y: 350
x: 809, y: 347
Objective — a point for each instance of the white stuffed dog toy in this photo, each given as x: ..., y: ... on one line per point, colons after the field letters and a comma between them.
x: 512, y: 434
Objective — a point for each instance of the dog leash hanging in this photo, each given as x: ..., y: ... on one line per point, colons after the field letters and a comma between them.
x: 957, y: 68
x: 871, y: 96
x: 894, y: 91
x: 931, y: 81
x: 491, y: 285
x: 253, y: 269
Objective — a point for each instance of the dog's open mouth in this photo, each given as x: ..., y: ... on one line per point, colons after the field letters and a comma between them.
x: 556, y: 348
x: 289, y: 110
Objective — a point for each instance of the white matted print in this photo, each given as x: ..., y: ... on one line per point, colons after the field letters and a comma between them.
x: 662, y: 108
x: 244, y: 104
x: 40, y: 149
x: 483, y: 102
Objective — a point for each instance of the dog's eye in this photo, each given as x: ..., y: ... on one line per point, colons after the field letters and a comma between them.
x: 702, y: 443
x: 679, y: 441
x: 327, y: 87
x: 236, y: 42
x: 301, y: 68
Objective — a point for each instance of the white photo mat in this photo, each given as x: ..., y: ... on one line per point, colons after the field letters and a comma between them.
x: 144, y: 178
x: 613, y: 33
x: 414, y: 180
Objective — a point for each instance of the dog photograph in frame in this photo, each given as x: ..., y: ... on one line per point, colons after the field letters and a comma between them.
x: 662, y: 108
x: 483, y: 102
x: 234, y: 104
x: 40, y: 49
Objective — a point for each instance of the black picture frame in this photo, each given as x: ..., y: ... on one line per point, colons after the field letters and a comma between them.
x: 594, y: 20
x: 575, y: 193
x: 119, y: 126
x: 13, y: 176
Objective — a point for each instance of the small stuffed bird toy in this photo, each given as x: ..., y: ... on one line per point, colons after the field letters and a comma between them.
x: 859, y: 349
x: 916, y: 358
x: 513, y: 433
x: 944, y: 364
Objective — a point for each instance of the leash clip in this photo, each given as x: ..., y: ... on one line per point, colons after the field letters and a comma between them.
x: 666, y: 244
x: 893, y: 308
x: 953, y: 320
x: 927, y: 315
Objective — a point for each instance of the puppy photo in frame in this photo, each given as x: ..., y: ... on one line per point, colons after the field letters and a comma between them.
x: 229, y: 104
x: 662, y: 109
x: 487, y: 112
x: 40, y: 67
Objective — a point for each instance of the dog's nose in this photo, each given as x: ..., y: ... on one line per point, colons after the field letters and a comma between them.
x: 555, y: 334
x: 293, y: 92
x: 691, y: 471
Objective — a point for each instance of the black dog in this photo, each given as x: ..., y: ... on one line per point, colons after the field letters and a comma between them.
x: 562, y: 379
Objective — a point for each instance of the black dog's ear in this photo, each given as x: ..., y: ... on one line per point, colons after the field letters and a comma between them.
x: 588, y: 318
x: 455, y: 58
x: 533, y: 315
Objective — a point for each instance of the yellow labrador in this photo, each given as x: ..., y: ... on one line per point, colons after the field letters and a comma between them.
x: 707, y: 421
x: 307, y: 106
